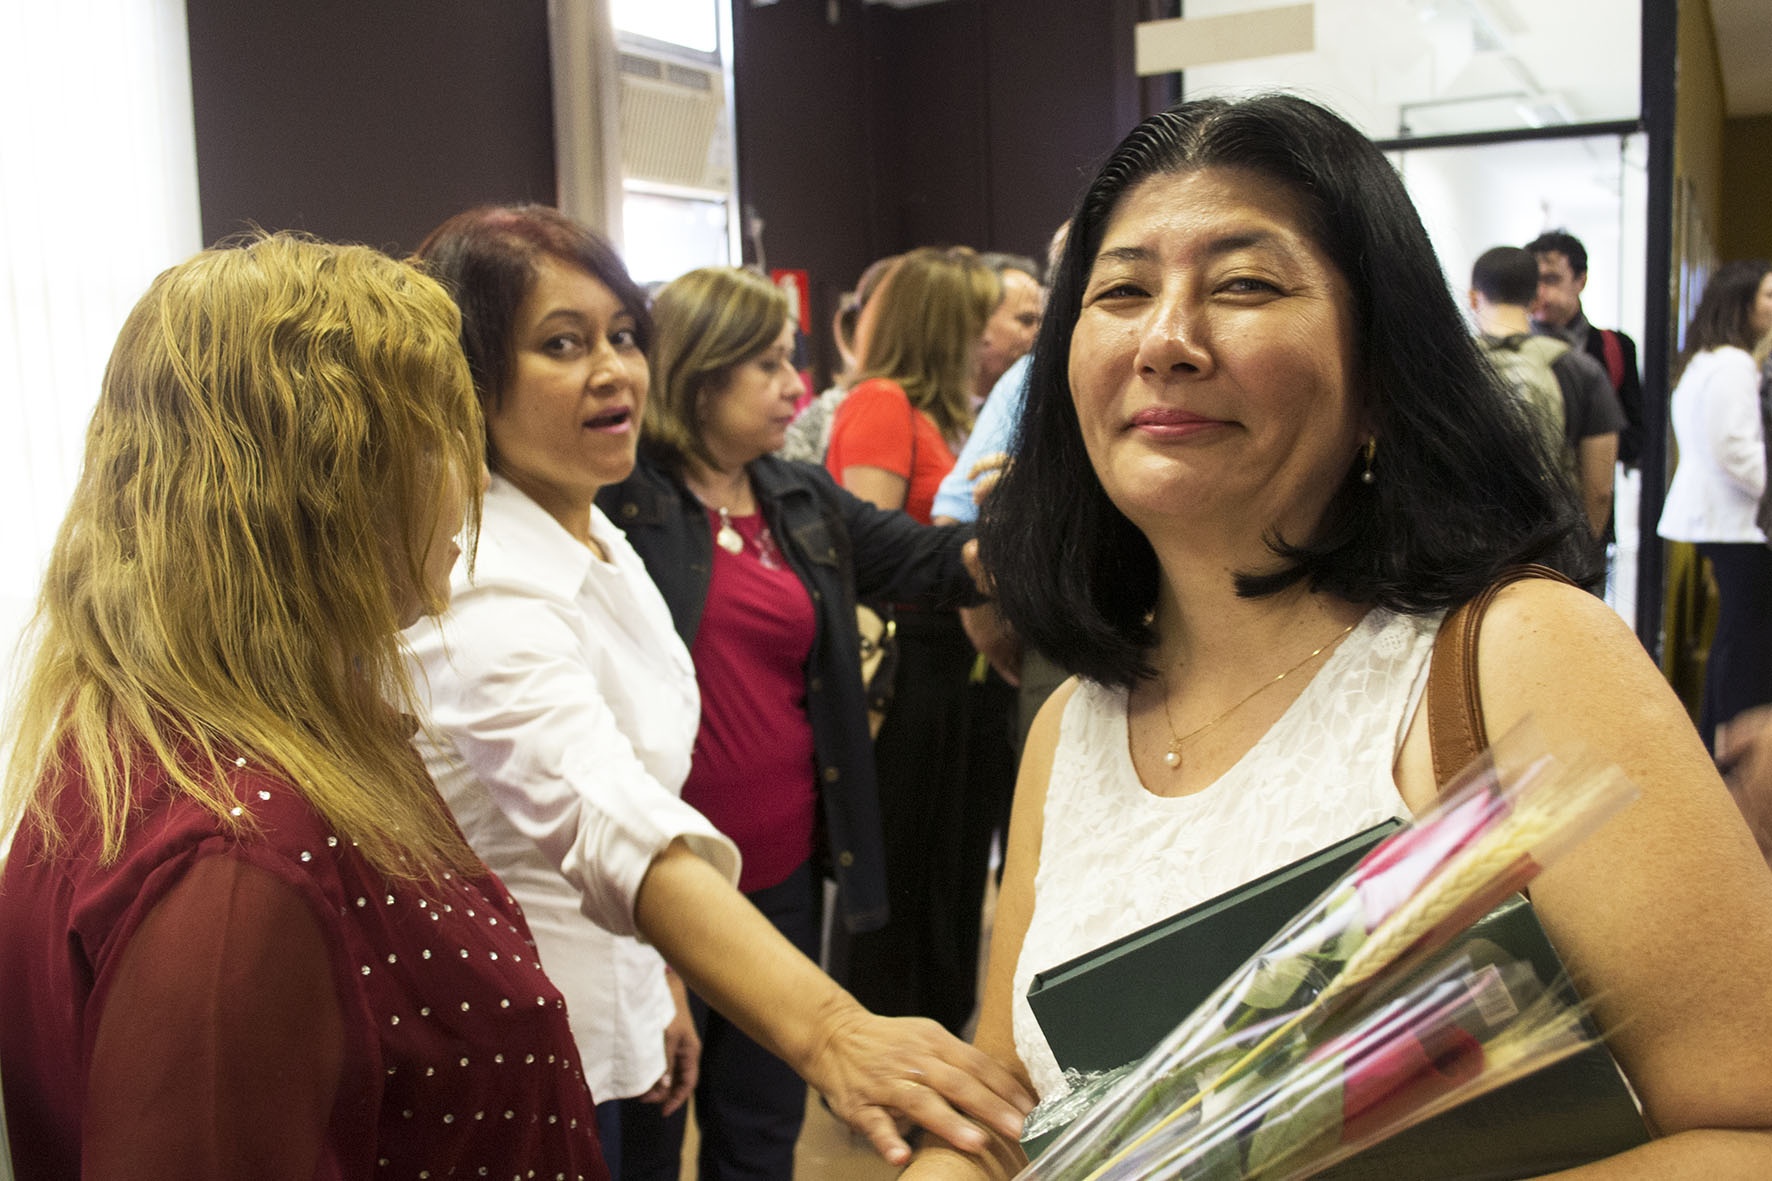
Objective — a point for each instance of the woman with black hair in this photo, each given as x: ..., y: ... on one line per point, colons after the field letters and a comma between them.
x: 1717, y: 485
x: 1260, y: 459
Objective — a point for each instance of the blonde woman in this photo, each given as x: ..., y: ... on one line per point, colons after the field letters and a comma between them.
x: 242, y: 936
x: 895, y: 435
x: 944, y: 781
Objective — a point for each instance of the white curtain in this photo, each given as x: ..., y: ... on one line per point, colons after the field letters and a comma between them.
x: 98, y: 194
x: 587, y: 113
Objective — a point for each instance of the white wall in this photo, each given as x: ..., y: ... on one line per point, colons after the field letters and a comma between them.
x: 1507, y: 194
x: 98, y: 193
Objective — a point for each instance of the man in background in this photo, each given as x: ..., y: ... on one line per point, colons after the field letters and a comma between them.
x: 1556, y: 311
x: 1010, y: 331
x: 1545, y: 371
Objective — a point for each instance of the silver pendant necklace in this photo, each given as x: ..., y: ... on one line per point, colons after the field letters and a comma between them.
x: 728, y: 538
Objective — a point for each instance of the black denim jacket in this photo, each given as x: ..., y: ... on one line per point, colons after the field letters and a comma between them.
x: 839, y: 546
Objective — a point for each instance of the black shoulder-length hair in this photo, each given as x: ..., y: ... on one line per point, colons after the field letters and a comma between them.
x: 1463, y: 485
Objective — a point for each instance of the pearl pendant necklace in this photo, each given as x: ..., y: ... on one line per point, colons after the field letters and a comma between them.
x: 1172, y: 756
x: 728, y: 538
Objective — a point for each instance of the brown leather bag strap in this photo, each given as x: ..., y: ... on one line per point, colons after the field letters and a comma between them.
x: 1455, y: 727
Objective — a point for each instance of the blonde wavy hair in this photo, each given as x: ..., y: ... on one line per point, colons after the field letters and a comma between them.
x: 260, y: 488
x: 921, y: 331
x: 705, y: 324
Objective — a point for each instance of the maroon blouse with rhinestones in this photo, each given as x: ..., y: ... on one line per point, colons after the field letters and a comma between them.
x: 268, y: 1006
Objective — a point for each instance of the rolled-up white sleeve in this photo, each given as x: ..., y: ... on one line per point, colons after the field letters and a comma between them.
x: 524, y: 709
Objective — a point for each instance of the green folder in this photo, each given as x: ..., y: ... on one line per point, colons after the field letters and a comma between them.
x: 1113, y: 1005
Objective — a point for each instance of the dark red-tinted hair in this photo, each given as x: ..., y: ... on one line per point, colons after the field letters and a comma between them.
x: 486, y: 257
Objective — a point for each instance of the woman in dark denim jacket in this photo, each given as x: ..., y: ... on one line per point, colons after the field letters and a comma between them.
x: 760, y: 560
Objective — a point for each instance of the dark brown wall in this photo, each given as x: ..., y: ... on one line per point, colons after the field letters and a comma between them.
x: 1745, y: 230
x: 368, y: 120
x: 970, y: 121
x: 805, y: 145
x: 1063, y: 93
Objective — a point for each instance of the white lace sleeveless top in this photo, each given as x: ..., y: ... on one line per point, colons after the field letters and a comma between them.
x: 1114, y: 858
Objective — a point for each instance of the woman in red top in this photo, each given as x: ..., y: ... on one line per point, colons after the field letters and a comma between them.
x: 896, y: 434
x: 243, y: 937
x: 945, y: 780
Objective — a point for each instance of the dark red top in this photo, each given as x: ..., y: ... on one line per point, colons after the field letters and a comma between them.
x: 753, y: 766
x: 268, y: 1006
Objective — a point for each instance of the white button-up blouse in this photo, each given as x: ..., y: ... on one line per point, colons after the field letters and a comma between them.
x: 562, y: 713
x: 1722, y: 466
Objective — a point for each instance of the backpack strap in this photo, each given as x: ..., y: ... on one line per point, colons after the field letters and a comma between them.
x: 1613, y: 353
x: 1545, y: 349
x: 1456, y: 730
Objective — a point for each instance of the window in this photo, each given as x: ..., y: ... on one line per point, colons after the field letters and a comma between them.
x: 679, y: 192
x: 1505, y: 194
x: 692, y: 24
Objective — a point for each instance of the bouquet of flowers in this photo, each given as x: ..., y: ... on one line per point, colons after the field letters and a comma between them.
x: 1358, y: 1020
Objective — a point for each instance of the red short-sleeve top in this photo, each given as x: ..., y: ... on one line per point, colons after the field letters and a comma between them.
x: 876, y: 426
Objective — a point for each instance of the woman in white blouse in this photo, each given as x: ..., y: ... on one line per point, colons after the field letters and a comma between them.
x: 563, y: 710
x: 1717, y: 487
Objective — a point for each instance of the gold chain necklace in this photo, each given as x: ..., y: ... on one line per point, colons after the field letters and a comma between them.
x: 1172, y: 756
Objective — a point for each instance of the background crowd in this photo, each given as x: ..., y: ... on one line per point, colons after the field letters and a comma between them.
x: 462, y: 844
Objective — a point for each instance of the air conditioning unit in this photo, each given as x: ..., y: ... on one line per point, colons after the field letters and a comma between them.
x: 675, y: 127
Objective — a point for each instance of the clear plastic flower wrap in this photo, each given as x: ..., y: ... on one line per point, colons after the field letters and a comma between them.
x: 1345, y: 1028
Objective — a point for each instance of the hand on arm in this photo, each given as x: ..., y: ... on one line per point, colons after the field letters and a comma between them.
x: 985, y: 474
x: 992, y: 635
x: 871, y: 1069
x: 985, y: 626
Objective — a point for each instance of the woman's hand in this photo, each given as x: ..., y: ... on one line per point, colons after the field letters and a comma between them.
x: 985, y: 474
x: 682, y: 1054
x: 981, y: 577
x: 871, y: 1069
x: 880, y: 1074
x: 992, y: 635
